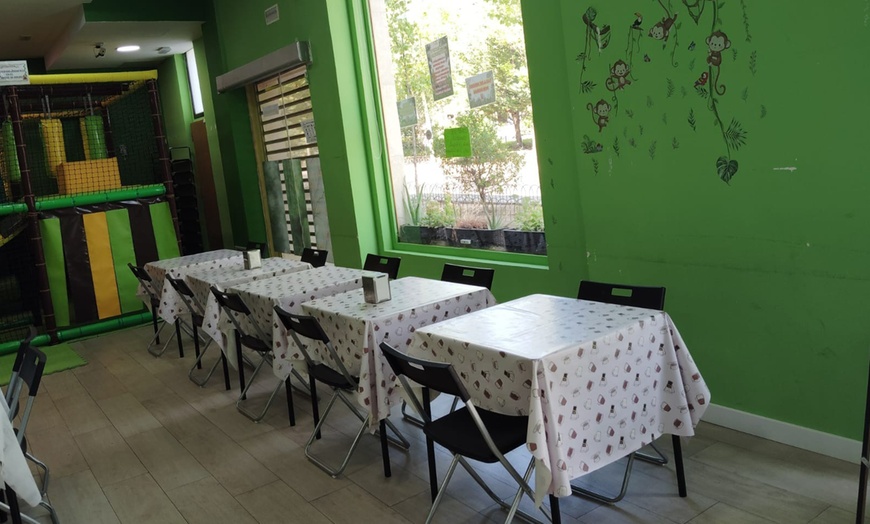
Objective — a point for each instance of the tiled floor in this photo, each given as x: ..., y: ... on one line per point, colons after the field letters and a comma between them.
x: 130, y: 439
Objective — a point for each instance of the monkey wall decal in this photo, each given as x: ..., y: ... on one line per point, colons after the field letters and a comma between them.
x: 661, y: 30
x: 600, y: 110
x: 716, y: 43
x: 618, y: 76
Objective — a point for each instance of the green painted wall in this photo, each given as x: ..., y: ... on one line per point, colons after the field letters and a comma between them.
x: 151, y: 11
x: 765, y: 275
x: 175, y: 100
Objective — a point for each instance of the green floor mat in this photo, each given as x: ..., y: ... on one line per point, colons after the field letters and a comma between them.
x: 58, y: 358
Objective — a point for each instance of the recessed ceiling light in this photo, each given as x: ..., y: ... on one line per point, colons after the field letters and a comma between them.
x: 127, y: 48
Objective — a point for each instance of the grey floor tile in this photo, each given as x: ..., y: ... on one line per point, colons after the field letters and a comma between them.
x: 168, y: 462
x: 81, y: 414
x: 139, y: 500
x: 206, y: 502
x: 722, y: 513
x: 353, y: 505
x: 276, y: 503
x: 78, y: 498
x: 128, y: 415
x: 109, y: 457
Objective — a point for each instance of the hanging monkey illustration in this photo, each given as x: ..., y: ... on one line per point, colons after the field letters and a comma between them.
x: 661, y: 30
x: 600, y: 110
x: 618, y: 76
x: 716, y: 43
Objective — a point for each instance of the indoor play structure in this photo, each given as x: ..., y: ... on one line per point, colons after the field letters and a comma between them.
x: 85, y: 188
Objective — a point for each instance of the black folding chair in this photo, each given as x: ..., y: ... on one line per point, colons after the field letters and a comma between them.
x: 343, y: 385
x: 315, y: 257
x: 388, y: 265
x: 233, y: 305
x: 30, y: 364
x: 469, y: 432
x: 148, y: 285
x: 647, y: 297
x: 473, y: 276
x: 196, y: 319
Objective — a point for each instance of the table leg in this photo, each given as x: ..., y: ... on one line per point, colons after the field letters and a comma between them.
x: 678, y: 462
x: 555, y: 512
x: 226, y: 371
x: 178, y: 336
x: 385, y: 449
x: 240, y: 361
x: 196, y: 346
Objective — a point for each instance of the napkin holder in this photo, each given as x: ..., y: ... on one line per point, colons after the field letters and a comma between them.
x: 252, y: 259
x: 376, y: 287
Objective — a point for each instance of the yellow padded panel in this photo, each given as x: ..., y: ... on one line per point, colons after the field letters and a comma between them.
x: 88, y: 176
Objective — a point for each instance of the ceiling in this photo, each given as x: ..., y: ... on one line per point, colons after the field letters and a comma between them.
x: 58, y: 32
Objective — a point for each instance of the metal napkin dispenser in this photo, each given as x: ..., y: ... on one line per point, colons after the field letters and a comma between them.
x: 252, y: 259
x: 376, y: 287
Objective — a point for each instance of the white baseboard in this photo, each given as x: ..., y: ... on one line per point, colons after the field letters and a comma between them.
x: 804, y: 438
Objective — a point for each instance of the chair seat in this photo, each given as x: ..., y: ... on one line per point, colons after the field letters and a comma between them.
x: 459, y: 434
x: 330, y: 377
x: 256, y: 344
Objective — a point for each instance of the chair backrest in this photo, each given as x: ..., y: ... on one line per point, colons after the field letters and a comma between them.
x: 474, y: 276
x: 388, y: 265
x: 309, y: 327
x: 30, y: 374
x: 315, y: 257
x: 186, y: 294
x: 16, y: 368
x: 145, y: 280
x: 433, y: 375
x: 647, y: 297
x: 232, y: 303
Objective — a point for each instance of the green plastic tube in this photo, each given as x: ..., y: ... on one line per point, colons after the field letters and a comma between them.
x: 100, y: 198
x: 11, y: 209
x: 97, y: 328
x: 93, y: 137
x: 10, y: 153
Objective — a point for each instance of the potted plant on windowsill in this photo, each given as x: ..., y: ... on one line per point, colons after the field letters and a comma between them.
x: 529, y: 237
x: 433, y: 224
x: 467, y: 232
x: 414, y: 209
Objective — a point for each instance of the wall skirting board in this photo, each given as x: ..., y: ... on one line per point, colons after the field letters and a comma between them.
x: 804, y: 438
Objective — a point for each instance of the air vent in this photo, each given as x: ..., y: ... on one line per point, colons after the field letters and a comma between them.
x: 272, y: 15
x: 163, y: 50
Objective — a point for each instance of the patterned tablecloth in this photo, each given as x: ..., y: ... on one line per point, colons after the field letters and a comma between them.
x: 357, y: 328
x: 598, y: 381
x: 201, y: 280
x: 288, y: 291
x: 170, y: 303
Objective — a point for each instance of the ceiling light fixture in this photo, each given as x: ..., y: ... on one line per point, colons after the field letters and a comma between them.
x: 127, y: 48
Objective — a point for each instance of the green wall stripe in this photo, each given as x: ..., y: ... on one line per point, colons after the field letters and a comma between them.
x: 121, y: 240
x: 164, y: 231
x: 56, y: 268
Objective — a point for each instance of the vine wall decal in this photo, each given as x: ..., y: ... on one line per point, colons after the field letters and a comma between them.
x: 707, y: 60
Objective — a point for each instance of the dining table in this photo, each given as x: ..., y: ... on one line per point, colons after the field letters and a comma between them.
x: 356, y: 328
x: 171, y: 305
x: 288, y: 291
x: 597, y: 381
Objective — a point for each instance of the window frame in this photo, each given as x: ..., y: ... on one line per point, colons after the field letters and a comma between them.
x: 383, y: 202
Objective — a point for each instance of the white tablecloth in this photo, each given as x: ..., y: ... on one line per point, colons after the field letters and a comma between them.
x: 356, y: 329
x: 13, y: 466
x: 201, y: 280
x: 598, y: 381
x: 288, y: 291
x: 170, y: 303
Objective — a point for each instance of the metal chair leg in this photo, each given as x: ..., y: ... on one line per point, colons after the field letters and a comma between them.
x: 154, y: 322
x: 196, y: 347
x: 158, y: 353
x: 256, y: 417
x: 226, y: 371
x: 198, y: 364
x: 315, y: 409
x: 411, y: 419
x: 659, y: 458
x: 335, y: 472
x: 290, y: 411
x: 600, y: 497
x: 44, y: 467
x: 240, y: 361
x: 385, y: 450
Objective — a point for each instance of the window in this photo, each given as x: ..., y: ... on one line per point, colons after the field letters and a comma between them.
x: 457, y: 113
x: 193, y: 77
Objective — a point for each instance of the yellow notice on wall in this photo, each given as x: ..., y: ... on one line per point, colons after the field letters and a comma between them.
x: 457, y: 142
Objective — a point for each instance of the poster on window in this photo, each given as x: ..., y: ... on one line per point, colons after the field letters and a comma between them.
x: 481, y: 89
x: 407, y: 112
x: 439, y: 68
